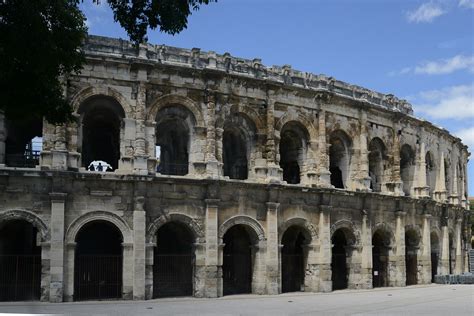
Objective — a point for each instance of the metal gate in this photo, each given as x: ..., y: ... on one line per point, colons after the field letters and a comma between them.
x: 292, y: 272
x: 434, y: 266
x: 339, y: 277
x: 173, y: 275
x: 98, y: 277
x: 237, y: 274
x: 20, y: 277
x: 411, y: 269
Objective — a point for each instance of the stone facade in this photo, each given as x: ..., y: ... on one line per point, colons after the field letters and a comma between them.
x: 319, y: 155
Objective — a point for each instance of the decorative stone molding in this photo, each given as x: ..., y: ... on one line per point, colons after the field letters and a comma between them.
x: 352, y: 234
x: 28, y: 216
x: 190, y: 223
x: 248, y: 221
x: 309, y: 230
x: 170, y: 99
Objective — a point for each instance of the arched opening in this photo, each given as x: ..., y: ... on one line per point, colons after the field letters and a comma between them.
x: 339, y: 264
x: 173, y: 266
x: 412, y: 241
x: 407, y: 168
x: 101, y: 123
x: 98, y: 262
x: 20, y: 262
x: 447, y: 177
x: 293, y: 259
x: 380, y: 257
x: 235, y: 154
x: 377, y: 155
x: 293, y: 147
x: 434, y: 240
x: 430, y: 172
x: 339, y: 158
x: 173, y: 137
x: 23, y: 143
x: 237, y: 261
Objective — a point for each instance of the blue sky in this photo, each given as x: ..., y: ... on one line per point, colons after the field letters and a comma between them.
x: 420, y: 50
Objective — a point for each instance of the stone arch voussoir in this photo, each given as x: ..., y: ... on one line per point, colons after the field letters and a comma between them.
x: 171, y: 99
x: 352, y: 234
x: 79, y: 222
x: 32, y: 218
x: 188, y: 221
x: 302, y: 120
x: 84, y: 94
x: 309, y: 229
x: 248, y: 221
x: 386, y: 228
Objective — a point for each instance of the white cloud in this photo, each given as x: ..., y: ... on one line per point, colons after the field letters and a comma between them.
x: 466, y: 135
x: 439, y: 67
x: 446, y: 66
x: 456, y: 102
x: 427, y: 12
x: 466, y: 4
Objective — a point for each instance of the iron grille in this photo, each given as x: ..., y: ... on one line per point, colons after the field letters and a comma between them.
x: 173, y: 275
x: 20, y: 277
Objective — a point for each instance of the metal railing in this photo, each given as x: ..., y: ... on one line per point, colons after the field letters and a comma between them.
x: 173, y: 275
x: 20, y: 277
x: 29, y: 159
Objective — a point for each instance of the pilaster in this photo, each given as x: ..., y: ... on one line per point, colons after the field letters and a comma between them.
x: 363, y: 179
x: 56, y: 287
x: 424, y: 260
x: 441, y: 194
x: 325, y: 249
x: 397, y: 268
x: 323, y: 156
x: 213, y: 268
x: 444, y: 261
x: 273, y: 269
x: 274, y: 172
x: 212, y: 167
x: 458, y: 267
x: 139, y: 233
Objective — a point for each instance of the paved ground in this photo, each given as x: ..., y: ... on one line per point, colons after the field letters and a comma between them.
x: 415, y: 300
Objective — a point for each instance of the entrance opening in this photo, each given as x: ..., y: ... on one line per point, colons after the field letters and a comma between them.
x: 434, y: 255
x: 293, y: 144
x: 376, y: 164
x: 430, y: 172
x: 407, y: 168
x: 173, y: 261
x: 98, y: 262
x: 339, y: 158
x: 23, y: 143
x: 173, y: 138
x: 452, y: 254
x: 237, y: 261
x: 20, y: 262
x: 380, y: 244
x: 293, y: 260
x: 101, y: 122
x: 411, y: 260
x: 340, y: 275
x: 235, y: 154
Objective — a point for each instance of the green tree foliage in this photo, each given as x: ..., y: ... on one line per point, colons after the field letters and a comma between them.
x: 40, y: 43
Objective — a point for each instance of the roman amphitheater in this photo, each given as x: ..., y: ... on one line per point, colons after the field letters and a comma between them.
x: 226, y: 177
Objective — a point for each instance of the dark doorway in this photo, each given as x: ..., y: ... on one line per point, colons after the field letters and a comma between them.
x: 173, y: 261
x: 237, y: 261
x: 20, y: 262
x: 434, y: 255
x: 173, y: 138
x: 376, y: 163
x: 293, y: 144
x: 407, y: 168
x: 340, y: 275
x: 293, y: 260
x: 339, y: 158
x: 336, y: 177
x: 98, y: 262
x: 234, y: 154
x: 380, y: 243
x: 411, y: 260
x: 22, y: 138
x: 452, y: 254
x: 101, y: 122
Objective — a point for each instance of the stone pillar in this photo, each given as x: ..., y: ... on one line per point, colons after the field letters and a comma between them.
x: 213, y: 268
x: 311, y: 278
x: 212, y: 166
x: 325, y: 249
x: 363, y: 179
x: 259, y: 268
x: 150, y: 128
x: 422, y: 188
x: 424, y: 257
x: 394, y: 184
x: 440, y: 193
x: 454, y: 196
x: 149, y: 261
x: 57, y: 157
x: 273, y: 251
x: 3, y: 138
x: 56, y: 287
x: 365, y: 281
x: 72, y: 139
x: 458, y: 267
x: 128, y: 271
x: 127, y: 145
x: 140, y: 157
x: 139, y: 233
x: 323, y: 152
x: 274, y: 172
x: 69, y: 275
x: 444, y: 260
x: 397, y: 267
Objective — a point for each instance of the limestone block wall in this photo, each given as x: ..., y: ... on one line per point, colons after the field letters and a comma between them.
x: 364, y: 165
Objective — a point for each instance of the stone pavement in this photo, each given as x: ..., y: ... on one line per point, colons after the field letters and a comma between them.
x: 414, y: 300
